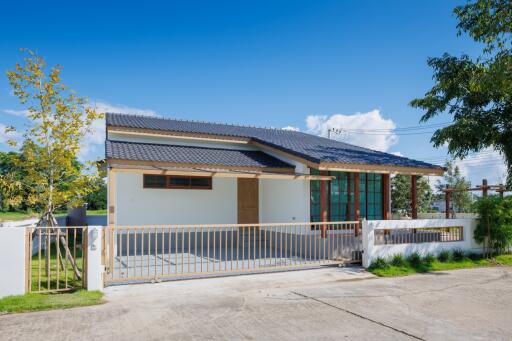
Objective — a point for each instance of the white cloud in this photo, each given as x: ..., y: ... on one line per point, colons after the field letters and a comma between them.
x: 20, y: 113
x: 486, y: 164
x: 97, y: 135
x: 397, y: 153
x: 104, y: 107
x: 356, y: 129
x: 291, y: 128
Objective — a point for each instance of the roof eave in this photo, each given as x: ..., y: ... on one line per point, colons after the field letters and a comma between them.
x: 384, y: 169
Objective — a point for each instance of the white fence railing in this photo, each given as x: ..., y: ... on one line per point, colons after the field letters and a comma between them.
x: 179, y: 248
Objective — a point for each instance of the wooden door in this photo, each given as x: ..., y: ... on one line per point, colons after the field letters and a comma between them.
x: 248, y: 201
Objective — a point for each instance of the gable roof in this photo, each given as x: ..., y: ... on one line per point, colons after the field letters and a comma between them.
x: 310, y: 147
x: 137, y: 151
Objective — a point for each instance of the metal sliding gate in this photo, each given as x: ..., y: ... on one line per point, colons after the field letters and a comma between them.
x: 154, y: 253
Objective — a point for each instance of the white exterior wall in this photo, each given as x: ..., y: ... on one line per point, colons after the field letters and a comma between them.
x: 136, y: 205
x: 372, y: 251
x: 280, y: 201
x: 179, y: 141
x: 285, y: 201
x: 12, y: 261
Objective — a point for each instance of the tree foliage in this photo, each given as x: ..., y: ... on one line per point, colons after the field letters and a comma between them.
x: 401, y: 194
x: 477, y: 93
x: 495, y: 223
x: 462, y: 201
x: 59, y: 120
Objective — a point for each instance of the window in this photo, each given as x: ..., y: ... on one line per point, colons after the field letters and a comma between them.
x: 177, y: 182
x: 155, y: 181
x: 341, y: 196
x: 373, y: 184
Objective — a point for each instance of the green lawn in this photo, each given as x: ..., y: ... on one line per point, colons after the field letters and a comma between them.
x: 13, y: 216
x: 10, y: 216
x: 436, y: 265
x: 37, y: 302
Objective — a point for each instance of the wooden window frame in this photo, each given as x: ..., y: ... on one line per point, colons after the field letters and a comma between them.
x: 168, y: 184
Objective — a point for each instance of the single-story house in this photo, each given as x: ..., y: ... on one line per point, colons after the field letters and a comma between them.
x: 165, y: 171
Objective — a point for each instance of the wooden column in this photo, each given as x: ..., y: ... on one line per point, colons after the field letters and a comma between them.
x: 386, y: 214
x: 447, y: 197
x: 357, y: 210
x: 323, y: 203
x: 414, y: 198
x: 484, y: 188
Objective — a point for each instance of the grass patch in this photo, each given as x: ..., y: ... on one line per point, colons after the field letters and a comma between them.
x: 428, y: 264
x: 96, y: 212
x: 63, y: 276
x: 21, y: 215
x: 38, y: 302
x: 13, y: 216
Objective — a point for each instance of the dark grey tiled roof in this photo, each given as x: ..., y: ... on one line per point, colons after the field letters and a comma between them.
x: 310, y: 147
x: 186, y: 154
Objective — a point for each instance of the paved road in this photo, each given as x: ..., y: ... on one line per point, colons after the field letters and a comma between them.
x: 325, y: 304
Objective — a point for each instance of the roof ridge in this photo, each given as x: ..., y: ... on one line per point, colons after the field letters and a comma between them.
x: 167, y: 118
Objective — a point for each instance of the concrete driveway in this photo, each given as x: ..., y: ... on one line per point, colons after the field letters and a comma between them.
x: 324, y: 304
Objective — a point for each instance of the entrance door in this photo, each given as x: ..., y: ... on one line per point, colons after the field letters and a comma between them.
x: 248, y: 201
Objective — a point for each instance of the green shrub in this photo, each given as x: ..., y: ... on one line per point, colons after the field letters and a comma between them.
x: 429, y: 258
x: 496, y: 221
x: 398, y: 260
x: 444, y: 256
x: 379, y: 263
x: 458, y: 255
x: 414, y: 259
x: 474, y: 256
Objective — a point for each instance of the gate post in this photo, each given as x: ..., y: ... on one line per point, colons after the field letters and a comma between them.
x: 94, y: 267
x: 367, y: 236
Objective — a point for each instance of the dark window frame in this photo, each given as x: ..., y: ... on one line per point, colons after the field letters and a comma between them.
x: 168, y: 184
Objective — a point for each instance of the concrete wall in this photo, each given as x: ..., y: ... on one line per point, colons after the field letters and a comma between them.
x: 136, y: 205
x: 12, y: 261
x: 372, y: 251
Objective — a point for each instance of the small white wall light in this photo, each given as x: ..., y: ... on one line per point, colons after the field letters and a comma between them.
x: 94, y: 236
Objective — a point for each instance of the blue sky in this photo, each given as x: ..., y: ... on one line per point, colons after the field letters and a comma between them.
x: 265, y: 63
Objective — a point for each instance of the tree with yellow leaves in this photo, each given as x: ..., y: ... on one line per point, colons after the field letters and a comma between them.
x: 59, y: 121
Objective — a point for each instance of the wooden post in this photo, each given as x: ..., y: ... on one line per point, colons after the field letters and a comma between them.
x: 385, y: 197
x: 357, y: 211
x: 447, y: 196
x: 501, y: 190
x: 484, y: 188
x: 414, y: 198
x: 323, y: 204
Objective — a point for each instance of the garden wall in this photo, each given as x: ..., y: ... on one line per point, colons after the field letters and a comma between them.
x: 404, y: 237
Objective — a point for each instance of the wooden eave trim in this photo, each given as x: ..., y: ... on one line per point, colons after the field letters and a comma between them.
x: 177, y: 134
x: 353, y: 167
x: 197, y: 165
x: 219, y: 173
